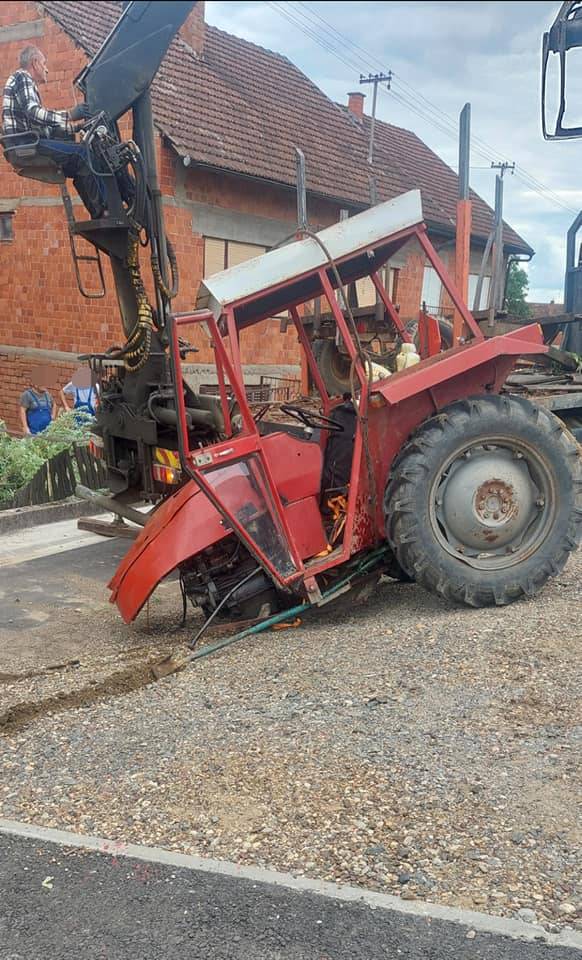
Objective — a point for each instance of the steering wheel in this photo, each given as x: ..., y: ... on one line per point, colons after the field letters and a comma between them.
x: 315, y: 421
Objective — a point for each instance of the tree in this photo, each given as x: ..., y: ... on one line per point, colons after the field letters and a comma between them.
x: 516, y: 291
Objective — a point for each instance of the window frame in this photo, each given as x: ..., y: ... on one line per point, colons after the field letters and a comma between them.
x: 261, y: 248
x: 7, y: 220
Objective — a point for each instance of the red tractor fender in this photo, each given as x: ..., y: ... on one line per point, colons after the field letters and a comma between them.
x: 182, y: 526
x: 187, y: 522
x: 460, y: 363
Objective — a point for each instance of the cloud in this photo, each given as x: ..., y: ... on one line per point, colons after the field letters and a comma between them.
x: 486, y: 53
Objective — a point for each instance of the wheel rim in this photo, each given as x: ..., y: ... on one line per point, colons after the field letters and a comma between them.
x: 492, y: 504
x: 340, y: 365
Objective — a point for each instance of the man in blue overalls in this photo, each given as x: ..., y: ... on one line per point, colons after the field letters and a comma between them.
x: 37, y: 407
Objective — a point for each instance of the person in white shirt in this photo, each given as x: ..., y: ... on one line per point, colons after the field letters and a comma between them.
x: 84, y: 392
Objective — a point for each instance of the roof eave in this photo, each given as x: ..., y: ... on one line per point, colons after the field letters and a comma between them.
x: 480, y: 239
x: 433, y: 226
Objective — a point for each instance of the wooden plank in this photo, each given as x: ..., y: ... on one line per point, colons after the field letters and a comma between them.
x: 39, y: 489
x: 102, y: 480
x: 80, y: 458
x: 108, y: 528
x: 462, y: 254
x: 61, y: 486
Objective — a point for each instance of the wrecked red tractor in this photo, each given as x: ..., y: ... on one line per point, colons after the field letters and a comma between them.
x: 426, y: 473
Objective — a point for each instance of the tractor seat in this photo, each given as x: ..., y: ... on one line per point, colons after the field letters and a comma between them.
x: 21, y: 151
x: 339, y: 451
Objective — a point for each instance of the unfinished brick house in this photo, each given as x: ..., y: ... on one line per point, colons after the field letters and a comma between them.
x: 228, y: 115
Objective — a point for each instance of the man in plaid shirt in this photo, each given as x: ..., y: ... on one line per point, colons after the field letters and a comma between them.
x: 23, y: 112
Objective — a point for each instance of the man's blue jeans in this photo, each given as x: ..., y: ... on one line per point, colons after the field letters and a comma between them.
x: 72, y: 158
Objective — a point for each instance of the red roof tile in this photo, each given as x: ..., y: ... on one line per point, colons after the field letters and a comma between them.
x: 243, y: 108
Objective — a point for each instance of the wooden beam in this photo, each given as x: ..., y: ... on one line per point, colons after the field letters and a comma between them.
x: 462, y: 257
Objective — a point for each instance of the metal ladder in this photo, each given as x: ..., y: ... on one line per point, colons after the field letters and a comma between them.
x: 79, y: 258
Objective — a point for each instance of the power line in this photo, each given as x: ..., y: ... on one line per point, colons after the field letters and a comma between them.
x: 446, y: 124
x: 416, y: 94
x: 313, y: 34
x: 313, y: 25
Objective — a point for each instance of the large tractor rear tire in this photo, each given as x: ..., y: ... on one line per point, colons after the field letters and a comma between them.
x: 484, y: 502
x: 573, y: 422
x: 334, y: 367
x: 445, y: 330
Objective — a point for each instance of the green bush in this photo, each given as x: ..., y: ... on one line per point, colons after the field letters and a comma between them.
x: 21, y: 458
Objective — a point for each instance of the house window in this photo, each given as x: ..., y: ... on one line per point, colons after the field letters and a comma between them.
x: 473, y: 277
x: 6, y: 227
x: 221, y: 254
x: 367, y: 291
x: 431, y: 290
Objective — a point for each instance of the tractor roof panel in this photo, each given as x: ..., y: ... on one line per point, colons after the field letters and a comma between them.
x: 280, y: 269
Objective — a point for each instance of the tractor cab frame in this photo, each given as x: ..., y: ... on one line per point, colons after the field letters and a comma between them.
x: 246, y: 467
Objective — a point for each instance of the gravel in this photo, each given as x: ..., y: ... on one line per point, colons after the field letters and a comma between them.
x: 403, y: 744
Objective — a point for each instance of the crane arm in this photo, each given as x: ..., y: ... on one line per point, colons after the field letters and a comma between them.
x: 127, y: 61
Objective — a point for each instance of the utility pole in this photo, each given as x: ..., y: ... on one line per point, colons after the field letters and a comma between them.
x: 464, y: 215
x: 375, y: 78
x: 496, y: 287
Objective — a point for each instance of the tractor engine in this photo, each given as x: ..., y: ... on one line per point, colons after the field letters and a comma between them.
x: 222, y: 576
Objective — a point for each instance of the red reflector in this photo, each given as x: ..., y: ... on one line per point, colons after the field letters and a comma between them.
x: 165, y: 474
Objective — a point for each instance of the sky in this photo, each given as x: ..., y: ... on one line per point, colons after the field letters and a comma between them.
x: 442, y: 55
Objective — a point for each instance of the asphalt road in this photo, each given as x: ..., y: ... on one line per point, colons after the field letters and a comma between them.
x: 32, y: 586
x: 64, y: 903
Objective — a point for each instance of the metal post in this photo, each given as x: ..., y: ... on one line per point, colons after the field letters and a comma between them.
x: 464, y: 151
x: 301, y: 228
x: 492, y: 298
x: 484, y: 262
x: 464, y: 216
x: 498, y: 292
x: 301, y: 190
x: 571, y: 263
x: 497, y: 286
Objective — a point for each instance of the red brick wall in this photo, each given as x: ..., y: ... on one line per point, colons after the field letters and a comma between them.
x: 40, y: 305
